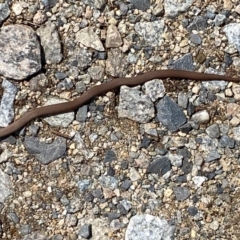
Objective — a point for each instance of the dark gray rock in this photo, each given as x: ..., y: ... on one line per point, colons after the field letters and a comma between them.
x: 141, y: 4
x: 226, y: 141
x: 192, y: 210
x: 75, y: 205
x: 160, y: 166
x: 46, y: 152
x: 199, y: 23
x: 181, y: 193
x: 212, y: 155
x: 184, y: 63
x: 14, y: 217
x: 85, y: 231
x: 65, y: 84
x: 60, y: 75
x: 195, y: 39
x: 81, y: 115
x: 113, y: 215
x: 110, y: 157
x: 170, y: 114
x: 25, y: 229
x: 213, y: 131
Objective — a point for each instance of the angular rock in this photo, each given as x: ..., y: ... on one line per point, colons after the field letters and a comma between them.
x: 20, y: 54
x: 135, y: 105
x: 6, y: 107
x: 149, y: 227
x: 46, y: 152
x: 151, y: 31
x: 170, y: 114
x: 89, y: 38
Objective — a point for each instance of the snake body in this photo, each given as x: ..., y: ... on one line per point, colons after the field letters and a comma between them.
x: 105, y: 87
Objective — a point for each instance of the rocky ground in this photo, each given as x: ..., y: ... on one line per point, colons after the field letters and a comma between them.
x: 157, y: 161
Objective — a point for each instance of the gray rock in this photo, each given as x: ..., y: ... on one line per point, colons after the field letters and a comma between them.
x: 97, y: 193
x: 49, y: 3
x: 113, y: 38
x: 110, y: 157
x: 212, y: 155
x: 89, y: 38
x: 60, y: 75
x: 57, y: 237
x: 201, y: 117
x: 141, y: 4
x: 81, y: 115
x: 199, y: 180
x: 170, y: 114
x: 236, y: 133
x: 75, y: 205
x: 116, y: 64
x: 66, y: 84
x: 25, y: 229
x: 71, y: 220
x: 173, y: 8
x: 232, y: 31
x: 183, y: 99
x: 5, y: 186
x: 113, y: 215
x: 149, y: 227
x: 4, y: 10
x: 80, y: 87
x: 20, y: 54
x: 7, y: 102
x: 135, y: 105
x: 126, y: 185
x: 160, y: 166
x: 213, y: 131
x: 123, y: 8
x: 36, y: 236
x: 184, y: 63
x: 46, y: 152
x: 99, y: 4
x: 84, y: 185
x: 210, y: 14
x: 195, y: 38
x: 124, y: 206
x: 176, y: 160
x: 51, y: 43
x: 64, y: 200
x: 226, y: 141
x: 14, y: 217
x: 151, y: 31
x: 85, y: 231
x: 132, y: 58
x: 199, y: 23
x: 155, y: 89
x: 219, y: 19
x: 215, y: 86
x: 108, y: 182
x: 181, y: 193
x: 96, y: 72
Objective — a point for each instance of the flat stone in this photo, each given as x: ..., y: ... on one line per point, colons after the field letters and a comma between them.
x: 170, y: 114
x: 20, y: 55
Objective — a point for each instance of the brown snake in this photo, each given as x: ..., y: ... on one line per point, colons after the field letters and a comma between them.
x: 105, y: 87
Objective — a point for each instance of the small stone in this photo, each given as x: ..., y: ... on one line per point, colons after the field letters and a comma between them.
x: 201, y: 117
x: 85, y: 231
x: 213, y: 131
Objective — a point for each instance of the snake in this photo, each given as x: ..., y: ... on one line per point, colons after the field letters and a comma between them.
x: 65, y: 107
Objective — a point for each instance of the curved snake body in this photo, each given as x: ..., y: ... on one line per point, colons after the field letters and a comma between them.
x: 105, y: 87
